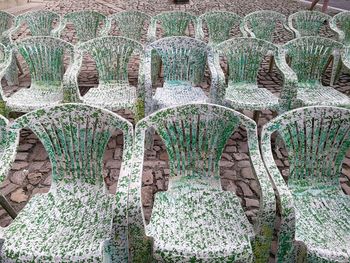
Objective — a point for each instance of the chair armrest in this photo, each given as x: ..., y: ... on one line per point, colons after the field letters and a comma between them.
x: 7, y: 35
x: 120, y: 219
x: 107, y: 27
x: 334, y: 28
x: 290, y: 81
x: 218, y: 85
x: 199, y: 33
x: 140, y: 245
x: 264, y: 226
x: 7, y: 159
x: 218, y: 82
x: 148, y: 88
x: 70, y: 79
x: 152, y: 31
x: 141, y: 93
x: 4, y: 67
x: 292, y: 28
x: 286, y: 27
x: 9, y: 153
x: 345, y: 57
x: 285, y: 200
x: 243, y: 26
x: 58, y: 30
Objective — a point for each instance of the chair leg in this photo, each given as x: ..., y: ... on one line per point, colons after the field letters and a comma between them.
x: 12, y: 73
x: 19, y: 66
x: 6, y: 205
x: 256, y: 116
x: 149, y: 139
x: 271, y: 64
x: 336, y: 71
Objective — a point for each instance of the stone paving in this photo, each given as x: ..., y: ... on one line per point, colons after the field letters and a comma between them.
x: 30, y: 174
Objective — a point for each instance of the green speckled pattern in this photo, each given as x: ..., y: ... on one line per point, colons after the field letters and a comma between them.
x: 78, y: 220
x: 44, y: 57
x: 309, y: 57
x: 184, y: 60
x: 241, y: 91
x: 307, y: 23
x: 262, y: 24
x: 314, y: 210
x: 111, y: 55
x: 195, y: 220
x: 87, y: 24
x: 130, y: 24
x: 173, y: 23
x: 340, y: 23
x: 219, y: 24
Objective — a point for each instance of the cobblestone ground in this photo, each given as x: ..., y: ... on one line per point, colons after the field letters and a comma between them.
x: 30, y: 174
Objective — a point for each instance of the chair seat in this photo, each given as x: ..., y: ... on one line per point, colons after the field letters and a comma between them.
x: 323, y: 96
x: 322, y: 223
x: 26, y: 100
x: 250, y: 97
x: 61, y: 227
x: 191, y: 224
x: 112, y: 97
x: 177, y: 95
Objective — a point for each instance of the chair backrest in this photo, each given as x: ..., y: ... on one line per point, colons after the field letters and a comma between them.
x: 86, y: 23
x: 195, y: 136
x: 244, y: 56
x: 6, y: 21
x: 44, y: 56
x: 262, y: 24
x: 173, y: 23
x: 40, y: 23
x: 309, y: 57
x: 317, y: 139
x: 219, y: 24
x: 307, y: 23
x: 342, y: 22
x: 130, y: 23
x: 75, y: 137
x: 111, y: 55
x: 183, y: 58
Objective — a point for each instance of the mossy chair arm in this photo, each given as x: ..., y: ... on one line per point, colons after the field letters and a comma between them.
x: 86, y: 24
x: 340, y: 24
x: 189, y: 160
x: 6, y: 22
x: 173, y: 23
x: 219, y: 24
x: 285, y: 201
x: 75, y: 137
x: 262, y: 24
x: 316, y: 140
x: 71, y: 91
x: 130, y: 24
x: 307, y: 23
x: 5, y: 64
x: 290, y: 81
x: 8, y: 149
x: 40, y: 23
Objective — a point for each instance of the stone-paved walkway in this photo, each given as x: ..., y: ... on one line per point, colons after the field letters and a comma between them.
x: 30, y: 173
